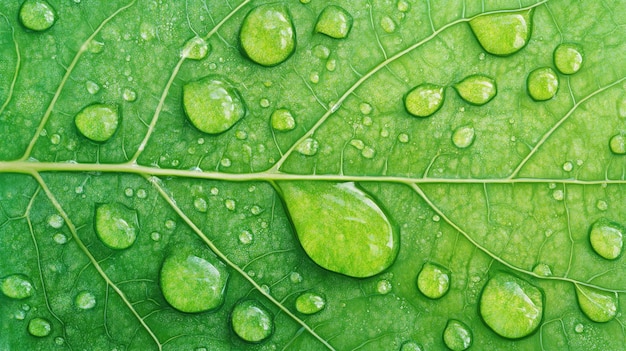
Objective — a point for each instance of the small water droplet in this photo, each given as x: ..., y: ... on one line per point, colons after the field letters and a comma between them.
x: 314, y: 77
x: 477, y: 89
x: 85, y: 300
x: 155, y: 236
x: 503, y: 34
x: 116, y: 225
x: 367, y: 121
x: 98, y: 122
x: 37, y: 15
x: 548, y: 233
x: 59, y: 238
x: 59, y: 340
x: 195, y: 48
x: 17, y: 286
x: 424, y: 100
x: 543, y: 270
x: 334, y: 21
x: 141, y: 194
x: 321, y: 52
x: 295, y: 277
x: 357, y: 143
x: 241, y: 135
x: 264, y: 103
x: 308, y: 147
x: 230, y: 204
x: 463, y: 137
x: 129, y: 192
x: 331, y: 65
x: 433, y: 280
x: 457, y: 336
x: 251, y: 321
x: 310, y: 303
x: 225, y: 162
x: 256, y: 210
x: 436, y: 218
x: 55, y: 221
x: 403, y: 6
x: 602, y: 205
x: 482, y: 56
x: 388, y: 24
x: 365, y: 108
x: 617, y: 144
x: 170, y: 224
x: 368, y: 152
x: 568, y: 58
x: 79, y: 189
x: 383, y: 287
x: 95, y: 47
x: 200, y: 204
x: 282, y: 120
x: 92, y: 87
x: 568, y: 166
x: 245, y: 237
x: 542, y: 84
x: 579, y: 328
x: 558, y: 195
x: 147, y: 31
x: 55, y: 139
x: 607, y: 238
x: 267, y: 35
x: 129, y: 95
x: 403, y: 138
x: 214, y: 191
x: 39, y: 327
x: 384, y: 133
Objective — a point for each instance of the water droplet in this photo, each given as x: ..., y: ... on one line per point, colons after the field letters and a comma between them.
x: 482, y: 56
x: 433, y: 280
x: 558, y: 195
x: 383, y: 287
x: 607, y: 238
x: 305, y: 1
x: 245, y: 237
x: 17, y: 286
x: 129, y: 192
x: 436, y: 218
x: 193, y: 283
x: 230, y: 204
x: 147, y: 31
x: 39, y: 327
x: 92, y: 87
x: 463, y: 137
x: 95, y: 47
x: 334, y: 21
x: 116, y: 225
x: 85, y: 300
x: 37, y: 15
x: 314, y: 77
x: 225, y: 162
x: 357, y: 143
x: 170, y: 224
x: 310, y: 303
x: 368, y: 152
x: 55, y: 139
x: 367, y: 121
x: 55, y: 221
x: 212, y: 105
x: 365, y: 108
x: 542, y: 83
x: 59, y: 238
x: 264, y: 103
x: 331, y: 65
x: 503, y: 34
x: 617, y: 144
x: 282, y: 120
x: 308, y: 147
x: 543, y: 270
x: 251, y: 321
x: 568, y: 166
x: 403, y: 138
x: 141, y: 194
x: 98, y: 122
x: 457, y: 336
x: 599, y: 305
x: 241, y: 135
x: 129, y: 95
x: 424, y: 100
x: 200, y: 204
x: 510, y: 306
x: 387, y: 24
x: 195, y: 48
x: 59, y: 340
x: 295, y: 277
x: 403, y: 6
x: 256, y: 210
x: 356, y: 237
x: 214, y: 191
x: 321, y: 52
x: 477, y: 89
x: 568, y: 58
x: 579, y: 328
x: 156, y: 236
x: 267, y: 35
x: 602, y: 205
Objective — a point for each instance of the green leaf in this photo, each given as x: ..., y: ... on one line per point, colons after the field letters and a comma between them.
x: 503, y: 185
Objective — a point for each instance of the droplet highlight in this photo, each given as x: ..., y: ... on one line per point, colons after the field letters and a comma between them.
x: 542, y: 84
x: 457, y: 336
x: 334, y: 21
x: 617, y: 144
x: 116, y: 225
x: 463, y: 137
x: 477, y: 89
x: 607, y: 238
x: 98, y: 122
x: 503, y: 34
x: 310, y: 303
x: 37, y: 15
x: 17, y: 286
x: 433, y: 280
x: 282, y: 120
x: 568, y: 58
x: 85, y: 300
x: 424, y: 100
x: 598, y: 305
x: 195, y: 48
x: 251, y: 321
x: 267, y: 35
x: 308, y: 147
x: 39, y: 327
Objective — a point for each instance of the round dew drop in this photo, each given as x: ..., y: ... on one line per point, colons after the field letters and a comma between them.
x: 196, y: 48
x: 191, y: 283
x: 600, y: 306
x: 424, y: 100
x: 212, y: 105
x: 542, y: 84
x: 308, y: 147
x: 267, y: 35
x: 17, y: 286
x: 98, y: 122
x: 39, y: 327
x: 457, y: 336
x: 37, y: 15
x: 85, y: 300
x: 310, y: 303
x: 617, y: 144
x: 477, y: 89
x: 607, y: 238
x: 568, y: 58
x: 251, y: 321
x: 334, y: 21
x: 463, y: 137
x: 433, y: 280
x: 503, y: 34
x: 116, y: 225
x: 282, y: 120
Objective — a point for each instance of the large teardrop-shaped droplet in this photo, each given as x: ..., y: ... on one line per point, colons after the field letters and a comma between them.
x: 477, y: 89
x: 334, y: 21
x: 341, y: 227
x: 607, y: 238
x: 599, y: 305
x: 267, y: 35
x: 503, y: 34
x: 116, y: 225
x: 251, y: 321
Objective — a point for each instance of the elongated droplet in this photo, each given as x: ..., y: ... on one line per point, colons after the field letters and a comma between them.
x: 310, y: 303
x: 457, y: 336
x: 510, y: 306
x: 116, y: 225
x: 477, y: 89
x: 282, y: 120
x: 251, y: 321
x: 39, y: 327
x: 17, y: 286
x: 424, y: 100
x: 98, y: 122
x: 334, y: 21
x: 617, y: 144
x: 267, y: 35
x: 85, y: 300
x: 503, y: 34
x: 568, y: 58
x: 196, y: 48
x: 542, y: 83
x: 191, y: 283
x: 37, y: 15
x: 600, y: 306
x: 356, y: 237
x: 607, y: 238
x: 433, y: 280
x: 463, y: 137
x: 212, y: 104
x: 542, y: 270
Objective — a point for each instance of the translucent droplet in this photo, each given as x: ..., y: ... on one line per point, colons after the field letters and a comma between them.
x: 195, y: 48
x: 477, y: 89
x: 59, y: 340
x: 321, y: 51
x: 424, y: 100
x: 436, y: 218
x: 225, y: 162
x: 264, y: 103
x: 267, y: 35
x: 607, y: 238
x: 558, y: 195
x: 365, y: 108
x: 256, y: 210
x: 334, y: 21
x: 55, y: 221
x: 17, y: 286
x: 331, y: 65
x: 251, y: 321
x: 310, y: 303
x: 357, y: 143
x: 200, y: 204
x: 241, y: 135
x: 92, y: 87
x: 192, y: 283
x: 147, y: 31
x: 39, y: 327
x: 542, y: 84
x: 368, y: 152
x: 155, y: 236
x: 142, y: 194
x: 214, y: 191
x: 245, y: 237
x: 579, y: 328
x: 599, y: 305
x: 387, y: 24
x: 98, y: 122
x: 463, y: 137
x: 383, y: 287
x: 282, y: 120
x: 433, y: 280
x: 212, y: 105
x: 503, y: 34
x: 543, y: 270
x: 403, y: 138
x: 568, y: 166
x: 129, y: 95
x: 314, y: 77
x: 568, y: 58
x: 116, y: 225
x: 602, y: 205
x: 170, y: 224
x: 59, y: 238
x: 457, y: 336
x: 85, y: 300
x: 37, y: 15
x: 295, y: 277
x: 403, y: 6
x: 129, y: 192
x: 55, y: 139
x: 510, y: 306
x: 230, y: 204
x: 308, y: 147
x: 617, y: 144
